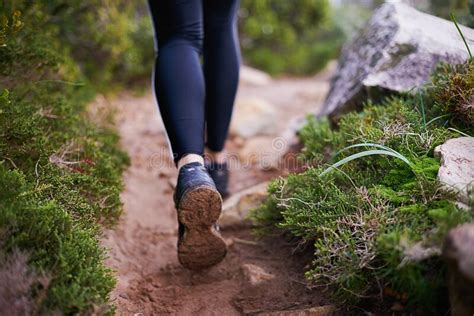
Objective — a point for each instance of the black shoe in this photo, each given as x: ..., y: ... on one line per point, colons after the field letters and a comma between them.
x: 219, y: 172
x: 199, y: 205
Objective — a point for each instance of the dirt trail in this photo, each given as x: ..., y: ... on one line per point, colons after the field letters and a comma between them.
x: 257, y: 276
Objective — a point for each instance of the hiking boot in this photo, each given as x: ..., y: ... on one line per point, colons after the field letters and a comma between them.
x: 199, y: 205
x: 219, y: 172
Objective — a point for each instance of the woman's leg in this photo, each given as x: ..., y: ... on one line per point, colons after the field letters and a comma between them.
x: 221, y: 68
x: 179, y: 86
x: 179, y: 80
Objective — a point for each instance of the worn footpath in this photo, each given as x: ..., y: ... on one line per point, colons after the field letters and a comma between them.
x: 258, y: 276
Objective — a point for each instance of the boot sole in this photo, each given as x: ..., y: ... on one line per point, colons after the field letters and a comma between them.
x: 201, y: 245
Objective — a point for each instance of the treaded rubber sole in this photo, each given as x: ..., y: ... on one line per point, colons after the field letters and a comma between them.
x: 201, y: 245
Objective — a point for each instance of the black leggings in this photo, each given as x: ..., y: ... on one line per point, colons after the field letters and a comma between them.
x: 196, y: 99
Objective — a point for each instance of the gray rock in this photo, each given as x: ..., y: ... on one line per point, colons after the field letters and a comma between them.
x: 458, y: 252
x: 457, y: 167
x: 396, y: 52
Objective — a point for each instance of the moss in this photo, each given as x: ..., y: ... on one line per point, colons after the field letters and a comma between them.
x: 376, y: 222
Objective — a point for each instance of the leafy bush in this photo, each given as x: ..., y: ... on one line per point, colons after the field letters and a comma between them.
x: 60, y: 175
x: 110, y: 40
x: 377, y: 222
x: 296, y: 37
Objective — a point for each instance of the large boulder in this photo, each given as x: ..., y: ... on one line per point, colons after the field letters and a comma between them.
x: 396, y: 52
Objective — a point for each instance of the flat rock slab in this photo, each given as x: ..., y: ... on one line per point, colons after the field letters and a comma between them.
x: 396, y: 52
x: 457, y: 166
x: 236, y: 208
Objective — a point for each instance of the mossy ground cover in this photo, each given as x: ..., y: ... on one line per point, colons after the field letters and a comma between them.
x: 60, y: 175
x: 377, y: 222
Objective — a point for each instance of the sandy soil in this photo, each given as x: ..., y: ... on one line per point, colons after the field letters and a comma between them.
x: 143, y: 245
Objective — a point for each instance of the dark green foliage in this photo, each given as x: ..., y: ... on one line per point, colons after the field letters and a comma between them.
x: 65, y: 247
x: 60, y: 176
x: 296, y: 37
x: 377, y: 222
x: 111, y: 40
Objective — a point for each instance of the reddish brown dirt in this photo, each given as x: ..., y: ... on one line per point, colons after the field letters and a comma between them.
x: 143, y: 245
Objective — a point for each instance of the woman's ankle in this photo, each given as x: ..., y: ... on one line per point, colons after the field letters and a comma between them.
x: 189, y: 158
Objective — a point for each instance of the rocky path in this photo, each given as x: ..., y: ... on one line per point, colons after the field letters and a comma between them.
x: 257, y: 276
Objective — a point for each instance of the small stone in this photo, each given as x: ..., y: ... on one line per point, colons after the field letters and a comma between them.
x: 229, y: 242
x: 321, y: 310
x: 253, y: 77
x: 457, y: 167
x: 236, y: 208
x: 253, y: 116
x: 261, y: 151
x: 255, y: 274
x: 324, y: 310
x: 397, y: 307
x: 163, y: 174
x: 238, y: 141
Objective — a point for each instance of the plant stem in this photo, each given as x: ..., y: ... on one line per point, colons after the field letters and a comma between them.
x: 462, y: 35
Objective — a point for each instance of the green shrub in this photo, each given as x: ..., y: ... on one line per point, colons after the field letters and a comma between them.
x: 110, y: 40
x: 377, y: 222
x: 295, y: 37
x: 60, y: 175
